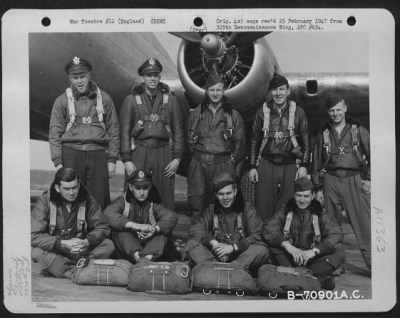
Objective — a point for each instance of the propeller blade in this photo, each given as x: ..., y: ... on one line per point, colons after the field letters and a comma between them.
x: 188, y: 36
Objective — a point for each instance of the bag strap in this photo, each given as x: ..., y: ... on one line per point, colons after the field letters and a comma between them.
x: 292, y: 112
x: 265, y: 129
x: 288, y: 223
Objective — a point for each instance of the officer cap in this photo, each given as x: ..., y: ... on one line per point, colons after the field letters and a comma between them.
x: 151, y: 65
x: 212, y: 80
x: 277, y: 81
x: 78, y: 66
x: 140, y: 177
x: 332, y: 100
x: 222, y: 180
x: 303, y: 184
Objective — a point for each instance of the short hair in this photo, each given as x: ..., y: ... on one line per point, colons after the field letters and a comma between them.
x: 66, y: 175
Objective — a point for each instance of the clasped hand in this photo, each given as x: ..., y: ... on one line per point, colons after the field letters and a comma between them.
x: 76, y: 245
x: 222, y: 250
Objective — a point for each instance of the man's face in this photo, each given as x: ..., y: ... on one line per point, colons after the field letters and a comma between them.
x: 68, y: 190
x: 140, y: 192
x: 151, y: 80
x: 280, y: 95
x: 216, y: 92
x: 80, y: 81
x: 337, y: 113
x: 303, y: 199
x: 226, y: 196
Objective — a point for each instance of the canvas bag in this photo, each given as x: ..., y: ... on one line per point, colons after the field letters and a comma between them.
x: 280, y: 279
x: 221, y: 277
x: 160, y: 278
x: 103, y: 272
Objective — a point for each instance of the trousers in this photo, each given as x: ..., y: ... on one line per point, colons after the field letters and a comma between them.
x: 92, y: 169
x: 347, y: 193
x: 275, y: 187
x: 56, y: 264
x: 251, y: 259
x: 155, y: 160
x: 127, y: 243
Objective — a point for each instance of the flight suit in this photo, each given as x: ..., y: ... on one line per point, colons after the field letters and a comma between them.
x: 214, y: 150
x: 152, y: 135
x: 251, y: 253
x: 89, y: 144
x: 46, y: 246
x: 341, y: 172
x: 127, y: 241
x: 277, y: 168
x: 302, y: 236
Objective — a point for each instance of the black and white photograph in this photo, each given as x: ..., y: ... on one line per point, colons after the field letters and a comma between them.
x: 233, y: 162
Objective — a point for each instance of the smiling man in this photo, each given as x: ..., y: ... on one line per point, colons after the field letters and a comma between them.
x: 341, y: 165
x: 302, y: 234
x: 227, y: 231
x: 141, y: 225
x: 217, y: 141
x: 279, y: 141
x: 152, y: 131
x: 67, y: 225
x: 84, y: 131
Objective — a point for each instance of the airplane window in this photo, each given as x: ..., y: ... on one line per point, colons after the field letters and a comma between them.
x: 312, y: 86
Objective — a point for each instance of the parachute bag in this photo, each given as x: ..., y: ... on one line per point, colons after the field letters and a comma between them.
x: 103, y: 272
x: 224, y: 278
x: 280, y: 279
x: 160, y: 278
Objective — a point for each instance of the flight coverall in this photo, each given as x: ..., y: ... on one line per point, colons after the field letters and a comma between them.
x: 341, y: 170
x: 46, y: 247
x: 302, y: 236
x: 214, y: 150
x: 252, y: 251
x: 152, y: 135
x: 127, y: 241
x: 277, y: 167
x: 89, y: 144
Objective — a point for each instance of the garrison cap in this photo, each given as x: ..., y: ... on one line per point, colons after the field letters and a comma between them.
x: 78, y: 66
x: 213, y: 79
x: 332, y: 100
x: 222, y: 180
x: 277, y: 81
x: 140, y: 177
x: 303, y: 184
x: 151, y: 65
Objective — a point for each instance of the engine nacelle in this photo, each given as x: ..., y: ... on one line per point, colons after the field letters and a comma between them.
x: 247, y: 70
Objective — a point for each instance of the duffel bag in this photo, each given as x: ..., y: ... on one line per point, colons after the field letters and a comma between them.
x: 160, y: 278
x: 220, y: 277
x: 105, y: 272
x: 279, y: 279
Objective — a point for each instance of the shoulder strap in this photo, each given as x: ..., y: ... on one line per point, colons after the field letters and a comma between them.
x: 152, y: 219
x: 317, y: 231
x: 292, y: 112
x: 81, y: 219
x: 138, y: 100
x: 53, y: 217
x: 71, y: 108
x: 288, y: 223
x: 265, y: 129
x: 126, y: 209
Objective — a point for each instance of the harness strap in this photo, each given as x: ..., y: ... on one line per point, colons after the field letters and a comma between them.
x: 288, y: 223
x: 53, y: 218
x: 81, y: 218
x: 265, y: 129
x: 71, y: 108
x: 126, y: 209
x: 152, y: 219
x: 356, y: 142
x: 292, y: 111
x: 100, y: 107
x: 240, y: 227
x: 138, y: 100
x: 317, y: 231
